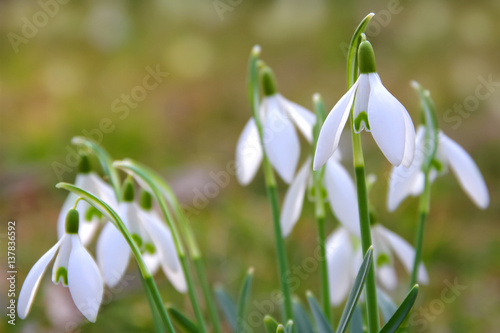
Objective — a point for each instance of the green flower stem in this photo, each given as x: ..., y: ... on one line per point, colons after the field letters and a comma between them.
x: 319, y: 211
x: 431, y: 136
x: 253, y: 96
x: 158, y: 194
x: 149, y: 283
x: 359, y: 168
x: 188, y: 234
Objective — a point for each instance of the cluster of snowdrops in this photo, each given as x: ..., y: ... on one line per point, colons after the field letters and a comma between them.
x: 139, y: 216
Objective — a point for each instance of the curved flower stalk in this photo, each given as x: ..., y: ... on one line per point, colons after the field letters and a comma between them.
x: 150, y: 234
x: 280, y: 118
x: 74, y: 268
x: 344, y: 257
x: 90, y: 217
x: 376, y: 110
x: 340, y: 190
x: 406, y: 181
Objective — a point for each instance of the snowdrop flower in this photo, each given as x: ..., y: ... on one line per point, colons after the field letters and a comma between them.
x: 89, y: 181
x: 376, y: 110
x: 151, y: 235
x: 344, y: 259
x: 339, y: 187
x: 74, y: 267
x: 410, y: 181
x: 279, y: 117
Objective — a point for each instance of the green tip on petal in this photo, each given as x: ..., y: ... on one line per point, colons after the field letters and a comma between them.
x: 72, y: 221
x: 150, y: 248
x: 268, y: 81
x: 362, y: 117
x: 128, y: 191
x: 62, y: 273
x: 383, y: 259
x: 146, y: 200
x: 137, y: 239
x: 91, y: 213
x: 366, y: 58
x: 84, y: 165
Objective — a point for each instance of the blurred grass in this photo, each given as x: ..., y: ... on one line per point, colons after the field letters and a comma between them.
x: 65, y: 79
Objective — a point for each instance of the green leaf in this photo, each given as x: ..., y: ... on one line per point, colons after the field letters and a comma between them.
x: 270, y: 324
x: 387, y: 306
x: 280, y: 329
x: 356, y: 290
x: 182, y: 320
x: 352, y: 59
x: 322, y: 323
x: 227, y: 306
x: 289, y: 326
x: 244, y: 301
x: 104, y: 159
x: 356, y: 325
x: 402, y: 312
x: 302, y: 322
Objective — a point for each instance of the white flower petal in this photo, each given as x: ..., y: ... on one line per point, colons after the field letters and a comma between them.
x: 280, y: 140
x: 62, y: 257
x: 361, y: 100
x: 294, y: 199
x: 342, y: 195
x: 300, y: 116
x: 32, y: 281
x: 409, y: 153
x: 405, y: 253
x: 113, y: 254
x: 152, y: 262
x: 162, y: 239
x: 383, y: 259
x: 329, y: 135
x: 248, y: 153
x: 84, y: 279
x: 386, y: 116
x: 339, y: 254
x: 466, y: 171
x: 165, y: 248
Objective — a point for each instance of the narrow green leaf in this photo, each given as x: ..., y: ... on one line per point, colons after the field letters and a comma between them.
x: 182, y: 320
x: 244, y: 301
x: 322, y: 323
x: 402, y: 312
x: 289, y: 326
x: 356, y: 325
x: 356, y: 290
x: 227, y: 306
x: 270, y: 324
x: 352, y: 59
x: 387, y: 306
x: 104, y: 159
x: 302, y: 322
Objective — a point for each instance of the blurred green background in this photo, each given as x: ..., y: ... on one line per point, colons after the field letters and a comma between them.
x: 63, y: 76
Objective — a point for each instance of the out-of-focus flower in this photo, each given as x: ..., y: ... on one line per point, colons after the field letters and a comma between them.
x: 89, y: 181
x: 74, y: 267
x: 151, y: 235
x: 340, y: 190
x: 405, y: 181
x: 279, y: 118
x: 376, y: 110
x: 344, y: 257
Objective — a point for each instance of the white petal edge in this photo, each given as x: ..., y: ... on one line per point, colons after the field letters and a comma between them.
x: 113, y: 254
x: 280, y: 140
x: 32, y: 281
x: 405, y: 253
x: 294, y: 199
x: 339, y: 256
x: 300, y: 116
x: 84, y: 280
x: 466, y: 171
x: 248, y: 153
x: 386, y: 116
x: 410, y: 136
x: 62, y: 258
x: 342, y: 195
x: 329, y: 136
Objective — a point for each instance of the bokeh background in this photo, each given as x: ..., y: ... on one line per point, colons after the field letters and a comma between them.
x: 62, y: 76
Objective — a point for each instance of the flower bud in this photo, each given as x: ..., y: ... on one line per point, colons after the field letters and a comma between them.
x: 366, y: 58
x: 72, y: 221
